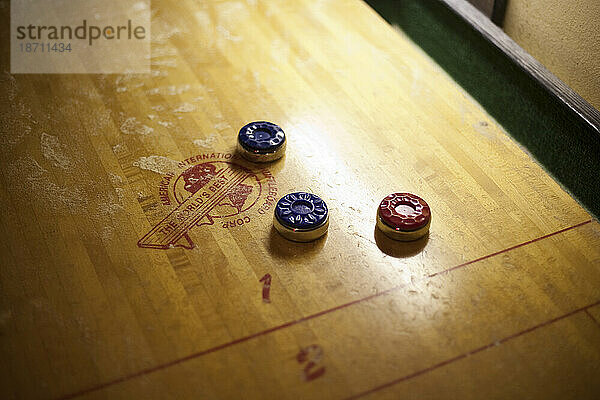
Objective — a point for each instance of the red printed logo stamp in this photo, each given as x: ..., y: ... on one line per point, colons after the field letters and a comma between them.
x: 210, y: 189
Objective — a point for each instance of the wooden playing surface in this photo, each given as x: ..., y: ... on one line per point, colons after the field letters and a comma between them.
x: 502, y: 300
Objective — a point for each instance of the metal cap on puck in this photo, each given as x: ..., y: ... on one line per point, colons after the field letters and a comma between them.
x: 261, y: 141
x: 403, y: 216
x: 301, y: 217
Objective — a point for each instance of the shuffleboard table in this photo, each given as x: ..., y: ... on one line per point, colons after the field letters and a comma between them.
x: 103, y: 296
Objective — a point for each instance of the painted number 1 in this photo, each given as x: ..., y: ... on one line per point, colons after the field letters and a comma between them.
x: 311, y: 355
x: 266, y: 291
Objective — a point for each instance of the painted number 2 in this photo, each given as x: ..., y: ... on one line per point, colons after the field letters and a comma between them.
x: 311, y: 355
x: 266, y: 291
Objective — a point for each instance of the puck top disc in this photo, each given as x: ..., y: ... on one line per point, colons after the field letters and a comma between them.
x: 261, y: 137
x: 301, y: 211
x: 404, y: 212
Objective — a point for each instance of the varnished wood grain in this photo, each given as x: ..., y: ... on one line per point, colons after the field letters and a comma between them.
x: 511, y: 259
x: 506, y: 375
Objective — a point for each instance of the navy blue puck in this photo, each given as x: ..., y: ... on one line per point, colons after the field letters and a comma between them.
x: 261, y: 137
x: 301, y: 211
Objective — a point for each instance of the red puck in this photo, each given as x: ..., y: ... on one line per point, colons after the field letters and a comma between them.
x: 404, y: 213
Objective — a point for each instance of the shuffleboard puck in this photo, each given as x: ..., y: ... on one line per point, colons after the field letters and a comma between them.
x: 301, y: 217
x: 403, y: 216
x: 261, y: 141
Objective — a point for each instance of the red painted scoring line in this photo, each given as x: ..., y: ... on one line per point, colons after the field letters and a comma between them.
x: 508, y: 249
x: 304, y: 319
x: 470, y: 353
x: 592, y: 318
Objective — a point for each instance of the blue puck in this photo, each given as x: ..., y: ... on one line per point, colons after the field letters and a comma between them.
x: 301, y: 217
x: 261, y: 141
x: 300, y: 210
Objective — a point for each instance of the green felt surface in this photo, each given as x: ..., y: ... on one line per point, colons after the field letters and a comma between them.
x: 553, y: 134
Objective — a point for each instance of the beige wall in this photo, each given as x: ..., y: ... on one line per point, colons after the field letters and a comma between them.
x: 564, y: 35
